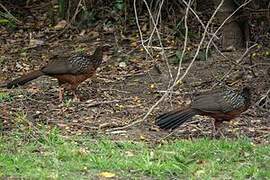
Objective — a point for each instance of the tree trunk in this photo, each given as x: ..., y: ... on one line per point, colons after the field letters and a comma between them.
x: 232, y: 35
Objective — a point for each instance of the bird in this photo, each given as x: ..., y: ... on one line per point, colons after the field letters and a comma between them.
x: 222, y: 105
x: 69, y: 72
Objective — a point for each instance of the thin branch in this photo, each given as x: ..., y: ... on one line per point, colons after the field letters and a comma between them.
x: 139, y: 28
x: 208, y: 33
x: 236, y: 64
x: 265, y: 97
x: 155, y: 29
x: 185, y: 43
x: 76, y: 12
x: 183, y: 76
x: 215, y: 33
x: 190, y: 65
x: 107, y: 102
x: 10, y: 15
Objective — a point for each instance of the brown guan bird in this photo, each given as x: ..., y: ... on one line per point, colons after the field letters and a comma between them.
x: 70, y: 72
x: 221, y: 105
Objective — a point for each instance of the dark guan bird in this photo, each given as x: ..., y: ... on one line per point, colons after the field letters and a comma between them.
x: 69, y: 73
x: 222, y: 105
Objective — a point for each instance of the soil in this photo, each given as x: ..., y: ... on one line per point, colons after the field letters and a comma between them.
x: 122, y: 93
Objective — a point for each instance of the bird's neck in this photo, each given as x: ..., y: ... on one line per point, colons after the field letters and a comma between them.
x: 98, y: 53
x: 246, y: 94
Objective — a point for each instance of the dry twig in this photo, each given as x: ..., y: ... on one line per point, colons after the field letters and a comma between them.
x: 178, y: 78
x: 10, y: 15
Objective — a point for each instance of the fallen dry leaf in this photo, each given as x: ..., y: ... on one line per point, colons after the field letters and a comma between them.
x: 60, y: 25
x: 129, y: 153
x: 107, y: 174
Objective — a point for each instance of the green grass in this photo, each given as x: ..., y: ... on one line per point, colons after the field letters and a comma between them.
x: 5, y: 97
x: 51, y: 156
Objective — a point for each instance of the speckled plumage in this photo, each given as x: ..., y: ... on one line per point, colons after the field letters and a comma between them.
x: 233, y: 98
x: 69, y: 72
x: 221, y: 105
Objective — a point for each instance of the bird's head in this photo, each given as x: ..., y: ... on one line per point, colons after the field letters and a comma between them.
x: 246, y: 93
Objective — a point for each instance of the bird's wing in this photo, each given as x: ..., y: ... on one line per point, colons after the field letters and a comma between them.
x: 216, y: 103
x: 56, y: 67
x: 73, y: 65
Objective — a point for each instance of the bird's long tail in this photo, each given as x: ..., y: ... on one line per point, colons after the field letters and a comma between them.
x: 174, y: 119
x: 24, y: 79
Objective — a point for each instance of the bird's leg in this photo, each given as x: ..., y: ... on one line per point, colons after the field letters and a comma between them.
x: 76, y: 97
x: 214, y: 131
x: 61, y: 93
x: 219, y: 131
x: 216, y: 128
x: 61, y: 90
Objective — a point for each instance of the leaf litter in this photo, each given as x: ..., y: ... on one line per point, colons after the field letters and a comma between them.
x: 124, y: 88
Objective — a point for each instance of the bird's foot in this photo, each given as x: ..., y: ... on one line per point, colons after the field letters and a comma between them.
x: 76, y: 98
x: 217, y: 133
x: 214, y: 134
x: 61, y: 97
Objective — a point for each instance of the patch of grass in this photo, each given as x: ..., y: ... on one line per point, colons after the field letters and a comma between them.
x: 80, y: 50
x: 53, y: 156
x: 4, y: 96
x: 6, y: 20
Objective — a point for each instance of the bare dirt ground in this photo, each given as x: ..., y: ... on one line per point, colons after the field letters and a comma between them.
x: 119, y: 95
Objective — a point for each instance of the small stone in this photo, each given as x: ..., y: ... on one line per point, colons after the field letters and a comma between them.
x: 122, y: 64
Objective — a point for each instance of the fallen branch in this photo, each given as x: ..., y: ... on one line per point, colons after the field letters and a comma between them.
x: 107, y: 102
x: 266, y: 103
x: 126, y: 126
